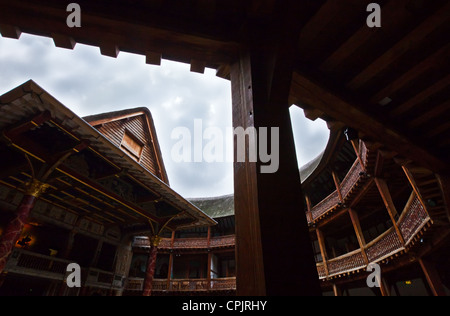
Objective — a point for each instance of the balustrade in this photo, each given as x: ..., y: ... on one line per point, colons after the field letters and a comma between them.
x: 184, y: 285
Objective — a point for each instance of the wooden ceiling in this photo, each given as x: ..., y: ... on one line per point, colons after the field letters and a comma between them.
x: 389, y: 83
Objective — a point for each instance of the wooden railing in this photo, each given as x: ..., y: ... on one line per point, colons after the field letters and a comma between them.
x: 33, y: 264
x: 188, y: 243
x: 346, y: 186
x: 413, y: 219
x: 183, y: 285
x: 30, y: 263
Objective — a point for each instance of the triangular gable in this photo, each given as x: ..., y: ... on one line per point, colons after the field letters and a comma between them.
x: 134, y: 132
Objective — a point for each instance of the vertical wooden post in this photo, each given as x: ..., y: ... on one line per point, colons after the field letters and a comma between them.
x: 151, y: 265
x: 444, y: 183
x: 355, y: 144
x: 323, y: 250
x: 387, y: 199
x: 336, y: 290
x: 432, y: 276
x: 208, y: 269
x: 266, y: 240
x: 413, y: 183
x: 309, y: 208
x: 384, y: 287
x: 337, y: 183
x: 14, y: 228
x: 359, y: 234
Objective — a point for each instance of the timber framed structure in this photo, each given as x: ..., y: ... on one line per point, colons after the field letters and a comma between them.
x: 390, y: 84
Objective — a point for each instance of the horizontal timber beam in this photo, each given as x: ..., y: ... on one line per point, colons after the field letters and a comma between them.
x: 306, y: 91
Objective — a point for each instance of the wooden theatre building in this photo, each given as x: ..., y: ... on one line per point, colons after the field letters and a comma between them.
x: 379, y: 194
x: 76, y: 191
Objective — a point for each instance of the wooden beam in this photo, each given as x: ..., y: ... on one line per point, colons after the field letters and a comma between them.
x: 444, y: 183
x: 389, y: 203
x: 323, y: 250
x: 109, y: 49
x: 432, y: 276
x: 337, y: 183
x: 198, y: 66
x: 63, y: 41
x: 411, y: 41
x: 409, y: 174
x: 393, y: 15
x: 421, y: 96
x: 266, y: 241
x: 10, y: 31
x: 359, y: 233
x: 152, y: 58
x: 434, y: 61
x: 314, y: 94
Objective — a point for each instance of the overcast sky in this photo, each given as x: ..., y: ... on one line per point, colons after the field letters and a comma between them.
x: 88, y: 83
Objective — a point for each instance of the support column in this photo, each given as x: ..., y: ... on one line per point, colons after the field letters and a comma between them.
x: 13, y: 230
x: 323, y: 250
x: 388, y: 202
x: 271, y: 226
x: 337, y: 183
x: 151, y: 265
x: 432, y: 276
x: 359, y: 234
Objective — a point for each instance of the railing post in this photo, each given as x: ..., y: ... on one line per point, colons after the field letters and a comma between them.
x: 388, y: 202
x: 323, y: 250
x: 359, y: 234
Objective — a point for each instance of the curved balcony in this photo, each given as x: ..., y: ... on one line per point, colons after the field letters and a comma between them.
x: 412, y: 222
x: 188, y: 243
x: 353, y: 178
x: 184, y: 285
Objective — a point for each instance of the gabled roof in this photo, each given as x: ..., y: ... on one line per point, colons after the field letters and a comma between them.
x: 28, y: 102
x: 100, y: 120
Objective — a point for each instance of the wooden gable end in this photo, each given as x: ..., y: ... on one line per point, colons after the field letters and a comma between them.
x: 136, y: 136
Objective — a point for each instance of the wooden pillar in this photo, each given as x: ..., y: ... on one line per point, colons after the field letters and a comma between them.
x: 413, y: 183
x: 387, y: 199
x: 309, y: 209
x: 169, y: 272
x: 151, y: 265
x: 323, y: 250
x: 336, y: 290
x: 384, y: 287
x: 356, y: 146
x: 274, y: 253
x: 432, y: 276
x: 14, y: 228
x: 444, y: 183
x: 337, y: 183
x: 359, y: 234
x: 208, y: 269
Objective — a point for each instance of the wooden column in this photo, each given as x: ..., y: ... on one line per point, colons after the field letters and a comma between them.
x: 444, y: 183
x: 359, y: 234
x: 14, y: 228
x: 151, y: 265
x: 336, y: 290
x: 323, y: 250
x: 309, y: 209
x: 274, y: 253
x: 337, y: 183
x: 387, y: 199
x: 384, y: 287
x: 355, y: 144
x: 432, y: 276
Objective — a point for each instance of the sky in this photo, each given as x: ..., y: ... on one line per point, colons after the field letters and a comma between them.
x: 88, y: 83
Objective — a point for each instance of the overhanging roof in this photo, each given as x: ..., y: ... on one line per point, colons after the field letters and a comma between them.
x: 389, y: 83
x: 29, y: 100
